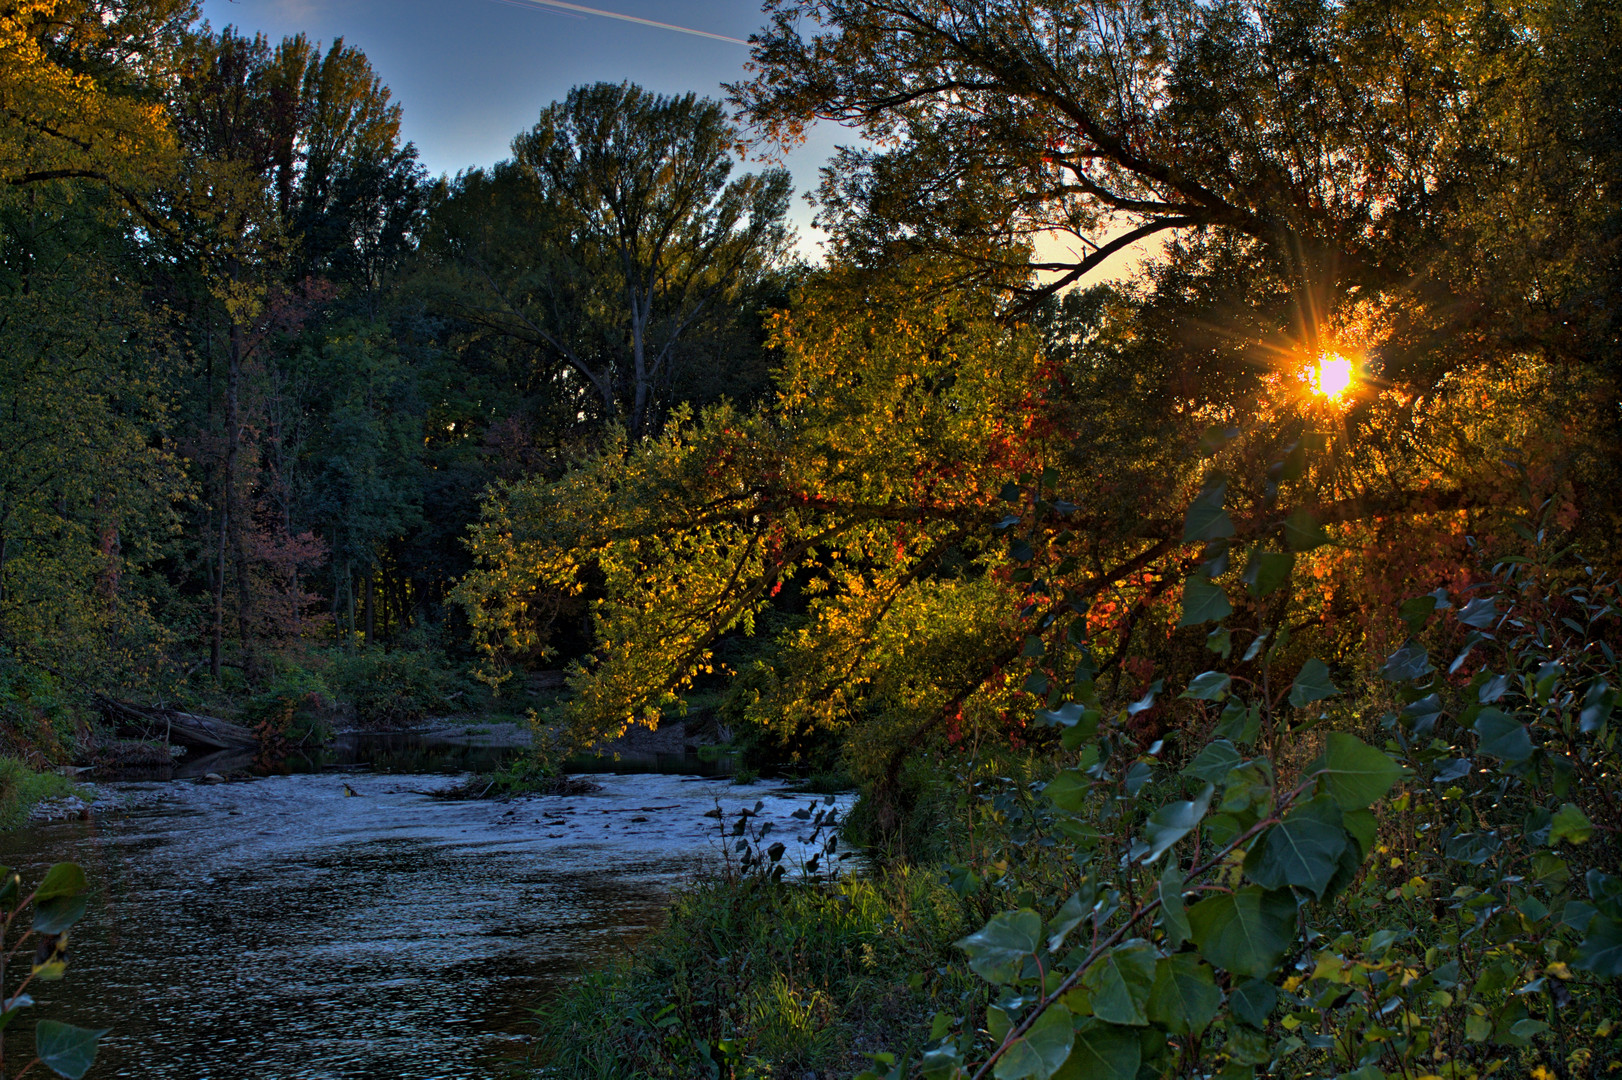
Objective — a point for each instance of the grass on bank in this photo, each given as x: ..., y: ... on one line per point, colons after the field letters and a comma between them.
x: 751, y: 979
x: 21, y: 789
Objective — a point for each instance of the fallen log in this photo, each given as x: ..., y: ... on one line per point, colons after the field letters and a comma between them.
x: 173, y: 726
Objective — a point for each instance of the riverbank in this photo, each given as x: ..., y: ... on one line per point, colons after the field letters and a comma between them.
x: 22, y: 791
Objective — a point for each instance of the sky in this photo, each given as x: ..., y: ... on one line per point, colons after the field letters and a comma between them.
x: 471, y: 74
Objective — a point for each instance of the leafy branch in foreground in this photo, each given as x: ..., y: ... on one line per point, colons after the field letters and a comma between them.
x: 1255, y: 920
x: 57, y: 903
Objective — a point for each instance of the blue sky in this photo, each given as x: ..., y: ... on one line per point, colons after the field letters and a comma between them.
x: 471, y: 74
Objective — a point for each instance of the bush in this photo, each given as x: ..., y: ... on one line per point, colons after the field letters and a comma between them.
x: 21, y: 788
x: 755, y: 978
x: 400, y: 686
x: 293, y: 710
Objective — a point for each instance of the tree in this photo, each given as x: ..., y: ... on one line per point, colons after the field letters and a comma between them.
x: 614, y: 245
x: 1454, y: 163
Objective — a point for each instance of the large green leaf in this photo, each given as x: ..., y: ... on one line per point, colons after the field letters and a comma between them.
x: 1303, y: 849
x: 1203, y: 602
x: 63, y: 879
x: 1213, y: 763
x: 1353, y: 773
x: 1312, y: 684
x: 1069, y: 790
x: 1252, y: 1001
x: 998, y: 950
x: 1303, y: 533
x: 66, y: 1050
x: 1173, y: 916
x: 1039, y: 1053
x: 1407, y: 663
x: 1120, y: 982
x: 1206, y: 519
x: 1208, y: 686
x: 1246, y: 932
x: 1571, y: 825
x: 1267, y: 571
x: 1503, y: 736
x: 1184, y: 997
x: 1601, y: 948
x: 57, y: 914
x: 1172, y: 822
x: 1102, y: 1052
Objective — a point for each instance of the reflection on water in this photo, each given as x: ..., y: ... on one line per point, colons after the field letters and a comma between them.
x: 278, y: 928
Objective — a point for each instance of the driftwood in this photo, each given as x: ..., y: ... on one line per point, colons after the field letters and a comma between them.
x: 174, y: 726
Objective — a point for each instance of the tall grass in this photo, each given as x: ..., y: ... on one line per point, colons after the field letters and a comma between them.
x: 21, y: 789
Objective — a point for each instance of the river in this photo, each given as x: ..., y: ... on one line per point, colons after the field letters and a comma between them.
x: 278, y: 927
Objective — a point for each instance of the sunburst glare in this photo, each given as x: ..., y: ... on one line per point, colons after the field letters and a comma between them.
x: 1333, y: 375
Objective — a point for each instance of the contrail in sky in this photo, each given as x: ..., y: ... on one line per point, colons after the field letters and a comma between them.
x: 635, y: 19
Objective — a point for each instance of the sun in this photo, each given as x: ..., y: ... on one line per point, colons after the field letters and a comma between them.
x: 1333, y: 376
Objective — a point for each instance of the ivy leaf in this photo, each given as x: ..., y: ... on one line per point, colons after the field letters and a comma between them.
x: 1503, y: 736
x: 1120, y: 981
x: 1207, y: 520
x: 1303, y: 849
x: 1039, y: 1053
x: 1253, y: 1001
x: 1267, y: 571
x: 1213, y: 764
x: 997, y: 951
x: 1247, y: 931
x: 1208, y: 686
x: 1302, y: 531
x: 1173, y: 916
x: 1203, y: 602
x: 1172, y: 822
x: 1312, y: 684
x: 1354, y: 774
x: 1103, y: 1052
x: 1184, y: 998
x: 66, y: 1050
x: 1571, y: 825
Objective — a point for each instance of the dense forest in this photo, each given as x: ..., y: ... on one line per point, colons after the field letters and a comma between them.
x: 1225, y: 656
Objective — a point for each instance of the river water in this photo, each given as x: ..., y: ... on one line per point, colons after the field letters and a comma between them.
x: 279, y: 927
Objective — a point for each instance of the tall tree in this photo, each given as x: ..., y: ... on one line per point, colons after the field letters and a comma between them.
x: 614, y: 245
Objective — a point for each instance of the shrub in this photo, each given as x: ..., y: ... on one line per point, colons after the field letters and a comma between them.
x: 396, y: 687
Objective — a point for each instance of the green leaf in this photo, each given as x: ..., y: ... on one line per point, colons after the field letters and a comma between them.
x: 1220, y: 641
x: 1203, y: 602
x: 1039, y: 1053
x: 1417, y: 611
x: 66, y: 1050
x: 58, y: 914
x: 1213, y: 763
x: 1354, y: 773
x: 1503, y: 736
x: 1302, y: 532
x: 1239, y: 722
x: 1312, y: 684
x: 63, y: 879
x: 1247, y: 931
x: 1571, y: 825
x: 1173, y: 916
x: 1362, y: 825
x: 1408, y: 663
x: 1206, y: 519
x: 1120, y: 982
x: 1208, y: 686
x: 1267, y: 571
x: 1172, y: 822
x: 1253, y: 1002
x: 1103, y: 1052
x: 19, y: 1002
x: 1184, y: 998
x: 1303, y: 849
x: 997, y: 951
x: 1601, y: 948
x: 1069, y: 790
x: 1066, y: 919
